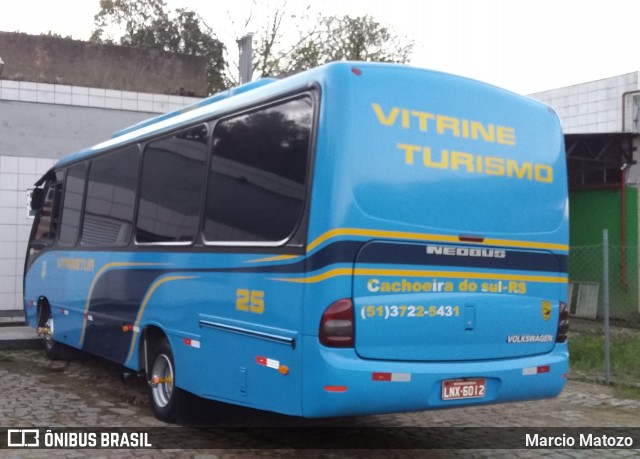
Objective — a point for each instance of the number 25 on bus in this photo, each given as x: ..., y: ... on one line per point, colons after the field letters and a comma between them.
x: 357, y: 238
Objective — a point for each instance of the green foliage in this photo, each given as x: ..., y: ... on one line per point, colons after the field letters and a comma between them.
x: 141, y: 23
x: 147, y: 24
x: 350, y: 38
x: 332, y: 38
x: 586, y: 353
x: 56, y: 35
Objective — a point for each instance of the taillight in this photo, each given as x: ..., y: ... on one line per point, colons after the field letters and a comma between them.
x: 336, y: 325
x: 563, y: 323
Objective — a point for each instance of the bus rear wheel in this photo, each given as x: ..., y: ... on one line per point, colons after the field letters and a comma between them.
x: 164, y: 396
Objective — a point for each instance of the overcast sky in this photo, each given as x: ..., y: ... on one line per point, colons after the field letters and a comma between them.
x: 522, y: 45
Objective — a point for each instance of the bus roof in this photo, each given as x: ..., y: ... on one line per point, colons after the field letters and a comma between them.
x: 201, y: 103
x: 226, y: 101
x: 219, y: 103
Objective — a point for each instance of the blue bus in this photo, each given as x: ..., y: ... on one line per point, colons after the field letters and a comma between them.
x: 358, y: 238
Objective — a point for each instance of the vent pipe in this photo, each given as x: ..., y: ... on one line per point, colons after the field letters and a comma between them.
x: 245, y: 47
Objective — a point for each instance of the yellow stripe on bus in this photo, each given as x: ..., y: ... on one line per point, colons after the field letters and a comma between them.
x: 116, y: 264
x: 429, y: 238
x: 418, y: 237
x: 274, y: 258
x: 422, y: 273
x: 146, y: 299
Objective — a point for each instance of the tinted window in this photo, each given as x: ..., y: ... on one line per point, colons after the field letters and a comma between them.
x: 257, y: 177
x: 173, y: 173
x: 110, y: 198
x: 72, y: 204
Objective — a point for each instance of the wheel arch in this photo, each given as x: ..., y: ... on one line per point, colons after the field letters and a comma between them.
x: 151, y: 335
x: 43, y: 306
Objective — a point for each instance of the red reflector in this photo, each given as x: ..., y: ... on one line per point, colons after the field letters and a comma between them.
x: 187, y: 341
x: 380, y: 376
x: 544, y: 369
x: 261, y: 360
x: 356, y: 71
x: 335, y: 388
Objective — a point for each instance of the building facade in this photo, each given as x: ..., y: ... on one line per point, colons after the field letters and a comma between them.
x: 58, y: 96
x: 601, y: 120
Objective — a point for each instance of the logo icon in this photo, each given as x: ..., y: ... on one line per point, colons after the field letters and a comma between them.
x: 546, y: 309
x: 23, y: 438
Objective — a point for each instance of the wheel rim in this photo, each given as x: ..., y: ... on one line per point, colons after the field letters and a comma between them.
x: 162, y: 380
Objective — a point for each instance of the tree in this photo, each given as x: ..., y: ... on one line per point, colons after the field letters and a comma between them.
x: 285, y: 41
x: 326, y: 39
x: 148, y: 24
x: 277, y: 29
x: 345, y: 38
x: 56, y: 35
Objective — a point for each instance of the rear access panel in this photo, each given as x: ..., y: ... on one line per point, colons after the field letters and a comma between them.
x: 435, y: 302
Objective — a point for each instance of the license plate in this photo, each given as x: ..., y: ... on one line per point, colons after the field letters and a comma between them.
x: 456, y: 389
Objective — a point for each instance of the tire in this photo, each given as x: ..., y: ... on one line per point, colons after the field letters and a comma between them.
x: 164, y: 396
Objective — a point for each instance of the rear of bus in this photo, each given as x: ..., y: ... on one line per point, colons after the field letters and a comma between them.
x: 438, y: 243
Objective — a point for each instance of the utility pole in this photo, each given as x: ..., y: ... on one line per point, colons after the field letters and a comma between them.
x: 245, y: 47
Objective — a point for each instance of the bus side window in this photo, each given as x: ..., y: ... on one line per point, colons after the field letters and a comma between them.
x: 72, y: 204
x: 257, y: 179
x: 111, y: 195
x: 173, y: 173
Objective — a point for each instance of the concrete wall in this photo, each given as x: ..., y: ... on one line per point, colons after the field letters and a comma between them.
x: 46, y: 59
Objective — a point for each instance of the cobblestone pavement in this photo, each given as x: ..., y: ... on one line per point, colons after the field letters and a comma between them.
x: 35, y: 392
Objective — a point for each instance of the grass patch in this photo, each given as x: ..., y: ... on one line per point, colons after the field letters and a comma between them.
x: 586, y: 353
x: 627, y: 392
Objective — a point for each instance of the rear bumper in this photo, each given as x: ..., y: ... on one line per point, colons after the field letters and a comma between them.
x: 339, y: 383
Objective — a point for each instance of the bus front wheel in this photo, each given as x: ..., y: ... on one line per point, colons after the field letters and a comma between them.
x: 164, y: 396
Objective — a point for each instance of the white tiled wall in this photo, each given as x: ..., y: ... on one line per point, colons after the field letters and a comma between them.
x: 16, y: 176
x: 18, y: 173
x: 25, y: 91
x: 596, y: 106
